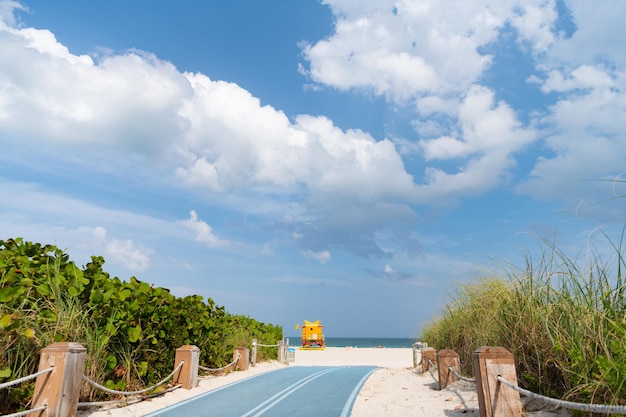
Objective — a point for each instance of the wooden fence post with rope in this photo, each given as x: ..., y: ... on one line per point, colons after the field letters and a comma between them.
x: 59, y: 390
x: 445, y: 359
x: 429, y: 357
x: 187, y: 376
x: 494, y: 398
x: 253, y: 353
x: 243, y: 353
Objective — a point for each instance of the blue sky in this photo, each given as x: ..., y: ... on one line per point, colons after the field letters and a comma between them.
x: 341, y: 160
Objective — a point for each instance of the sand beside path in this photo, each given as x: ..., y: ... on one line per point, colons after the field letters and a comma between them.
x: 395, y: 390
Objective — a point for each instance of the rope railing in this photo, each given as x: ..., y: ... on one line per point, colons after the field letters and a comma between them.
x: 591, y: 408
x: 459, y: 376
x: 26, y: 378
x: 125, y: 401
x: 66, y: 359
x: 204, y: 368
x: 115, y: 392
x: 27, y: 412
x: 262, y: 345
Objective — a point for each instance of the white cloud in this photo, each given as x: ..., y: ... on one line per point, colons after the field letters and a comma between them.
x: 407, y: 49
x: 134, y: 257
x: 214, y: 135
x: 322, y: 256
x: 204, y: 233
x: 583, y: 77
x: 598, y: 36
x: 588, y: 141
x: 489, y: 135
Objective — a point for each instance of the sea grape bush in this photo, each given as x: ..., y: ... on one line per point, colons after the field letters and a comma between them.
x: 131, y: 329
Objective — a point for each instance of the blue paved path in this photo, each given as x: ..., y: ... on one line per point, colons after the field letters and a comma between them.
x: 300, y: 391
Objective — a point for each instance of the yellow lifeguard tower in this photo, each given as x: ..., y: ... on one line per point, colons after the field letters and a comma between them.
x: 312, y: 335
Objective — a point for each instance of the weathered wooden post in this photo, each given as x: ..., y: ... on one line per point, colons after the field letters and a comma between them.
x: 187, y: 375
x: 286, y: 351
x: 429, y: 355
x: 445, y: 359
x: 244, y: 358
x: 254, y: 347
x: 417, y: 353
x: 281, y: 353
x: 59, y: 389
x: 417, y: 356
x: 494, y: 398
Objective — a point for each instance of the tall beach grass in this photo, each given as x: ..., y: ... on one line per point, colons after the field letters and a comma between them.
x: 564, y: 323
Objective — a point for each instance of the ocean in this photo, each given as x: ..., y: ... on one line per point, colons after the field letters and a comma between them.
x: 369, y: 342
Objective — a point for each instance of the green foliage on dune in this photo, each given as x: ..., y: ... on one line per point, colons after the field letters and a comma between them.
x: 131, y: 329
x: 565, y: 325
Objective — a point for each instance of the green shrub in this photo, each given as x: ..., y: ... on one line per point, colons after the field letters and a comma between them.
x: 131, y: 329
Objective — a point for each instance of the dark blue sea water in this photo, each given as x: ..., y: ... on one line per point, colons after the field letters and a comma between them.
x: 370, y: 342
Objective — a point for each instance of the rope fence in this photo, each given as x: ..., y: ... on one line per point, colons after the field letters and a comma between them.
x: 283, y: 349
x: 125, y: 401
x: 142, y: 391
x: 27, y: 412
x: 492, y: 396
x: 21, y: 380
x: 59, y: 393
x: 591, y: 408
x: 233, y: 363
x: 26, y: 378
x: 459, y: 376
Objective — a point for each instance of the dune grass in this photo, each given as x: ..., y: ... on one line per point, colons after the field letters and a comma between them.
x: 564, y: 324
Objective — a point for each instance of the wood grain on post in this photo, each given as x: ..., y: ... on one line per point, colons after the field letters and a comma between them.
x: 429, y: 355
x: 59, y: 389
x: 244, y: 355
x: 494, y: 398
x: 445, y: 359
x: 187, y: 375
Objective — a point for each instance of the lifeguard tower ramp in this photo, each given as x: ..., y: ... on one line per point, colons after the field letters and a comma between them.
x: 312, y: 335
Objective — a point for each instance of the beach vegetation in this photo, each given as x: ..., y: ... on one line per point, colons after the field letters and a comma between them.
x: 131, y: 329
x: 564, y: 323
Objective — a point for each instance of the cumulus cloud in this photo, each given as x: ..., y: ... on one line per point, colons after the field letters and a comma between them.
x: 489, y: 135
x: 425, y: 57
x: 321, y: 256
x: 204, y: 233
x: 405, y: 49
x: 134, y: 257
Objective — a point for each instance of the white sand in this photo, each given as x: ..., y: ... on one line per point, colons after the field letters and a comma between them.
x: 396, y: 389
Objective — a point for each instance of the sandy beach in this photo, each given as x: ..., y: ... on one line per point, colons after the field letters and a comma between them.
x: 396, y: 389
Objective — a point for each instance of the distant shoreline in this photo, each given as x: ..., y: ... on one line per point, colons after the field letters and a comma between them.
x: 363, y: 342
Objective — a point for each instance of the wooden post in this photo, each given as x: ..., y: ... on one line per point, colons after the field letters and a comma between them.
x: 59, y: 389
x: 417, y: 356
x: 494, y: 398
x: 428, y: 355
x: 188, y: 373
x: 445, y: 359
x: 280, y: 357
x: 244, y: 358
x: 254, y: 347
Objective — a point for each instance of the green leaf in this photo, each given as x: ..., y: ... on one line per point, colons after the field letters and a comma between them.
x: 142, y: 368
x: 134, y: 333
x: 29, y: 333
x: 7, y: 294
x: 5, y: 373
x: 5, y: 321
